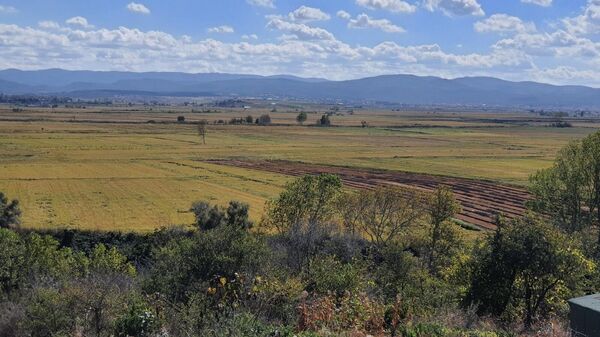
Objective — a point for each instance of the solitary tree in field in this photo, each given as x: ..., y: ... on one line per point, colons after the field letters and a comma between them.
x: 324, y: 121
x: 9, y: 212
x: 202, y: 130
x: 263, y: 120
x: 301, y: 118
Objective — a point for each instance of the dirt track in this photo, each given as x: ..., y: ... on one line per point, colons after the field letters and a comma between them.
x: 481, y: 200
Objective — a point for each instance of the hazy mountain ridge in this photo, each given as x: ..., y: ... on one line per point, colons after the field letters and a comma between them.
x: 400, y: 89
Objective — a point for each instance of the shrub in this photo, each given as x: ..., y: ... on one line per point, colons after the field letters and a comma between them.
x: 328, y: 275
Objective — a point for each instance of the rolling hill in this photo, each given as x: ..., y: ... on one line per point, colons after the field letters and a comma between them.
x: 396, y: 89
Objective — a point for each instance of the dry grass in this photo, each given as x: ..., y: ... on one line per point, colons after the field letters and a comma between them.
x: 129, y: 176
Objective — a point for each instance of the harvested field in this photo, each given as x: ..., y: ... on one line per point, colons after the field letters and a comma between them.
x: 481, y: 200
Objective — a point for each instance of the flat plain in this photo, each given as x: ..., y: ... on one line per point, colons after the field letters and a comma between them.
x: 112, y: 169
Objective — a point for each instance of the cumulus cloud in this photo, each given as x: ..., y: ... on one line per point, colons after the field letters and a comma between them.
x: 394, y: 6
x: 543, y: 3
x: 364, y: 21
x: 301, y: 31
x: 455, y: 7
x: 224, y: 29
x: 79, y: 21
x: 308, y: 14
x: 586, y: 23
x: 343, y: 14
x: 262, y: 3
x: 138, y: 8
x: 7, y: 10
x: 306, y: 51
x: 566, y: 54
x: 502, y: 23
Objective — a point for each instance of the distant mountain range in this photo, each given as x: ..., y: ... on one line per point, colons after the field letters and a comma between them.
x: 395, y: 89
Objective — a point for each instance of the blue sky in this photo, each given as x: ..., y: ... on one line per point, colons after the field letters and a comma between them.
x: 556, y: 41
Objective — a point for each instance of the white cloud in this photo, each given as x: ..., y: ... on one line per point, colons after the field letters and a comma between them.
x: 224, y: 29
x: 250, y: 37
x: 343, y: 14
x: 79, y: 21
x: 455, y: 7
x: 394, y: 6
x: 8, y: 10
x: 569, y: 54
x: 262, y: 3
x: 301, y: 31
x: 364, y: 21
x: 308, y: 14
x: 48, y: 24
x: 543, y: 3
x: 502, y: 23
x: 138, y: 8
x: 586, y: 23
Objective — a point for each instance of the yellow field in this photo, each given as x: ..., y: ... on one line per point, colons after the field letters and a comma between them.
x: 125, y: 176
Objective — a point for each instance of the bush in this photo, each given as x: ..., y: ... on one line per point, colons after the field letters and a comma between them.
x: 139, y: 321
x: 210, y: 217
x: 328, y: 275
x: 185, y: 266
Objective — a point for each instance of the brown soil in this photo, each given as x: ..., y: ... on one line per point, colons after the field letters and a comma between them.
x: 481, y: 200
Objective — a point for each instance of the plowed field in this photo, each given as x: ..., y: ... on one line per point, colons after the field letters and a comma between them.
x: 481, y: 200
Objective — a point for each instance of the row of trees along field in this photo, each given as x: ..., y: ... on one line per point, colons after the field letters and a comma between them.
x: 324, y: 261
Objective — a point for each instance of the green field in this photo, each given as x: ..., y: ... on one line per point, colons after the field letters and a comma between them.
x: 121, y: 175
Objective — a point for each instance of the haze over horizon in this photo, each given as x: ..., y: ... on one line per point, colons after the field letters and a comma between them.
x: 549, y: 41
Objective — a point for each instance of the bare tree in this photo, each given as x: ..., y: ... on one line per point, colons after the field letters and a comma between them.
x: 202, y: 130
x: 384, y: 213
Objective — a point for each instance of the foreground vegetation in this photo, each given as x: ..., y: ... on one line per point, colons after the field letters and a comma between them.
x: 321, y: 262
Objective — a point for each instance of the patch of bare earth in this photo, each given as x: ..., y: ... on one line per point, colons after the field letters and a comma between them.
x: 481, y: 200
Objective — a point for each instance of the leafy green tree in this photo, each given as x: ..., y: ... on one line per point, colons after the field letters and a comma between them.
x: 569, y: 191
x: 309, y: 200
x: 526, y: 268
x: 441, y: 206
x: 11, y: 263
x: 9, y: 212
x: 324, y: 121
x: 301, y: 118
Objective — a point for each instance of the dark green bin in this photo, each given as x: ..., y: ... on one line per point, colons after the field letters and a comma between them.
x: 584, y: 316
